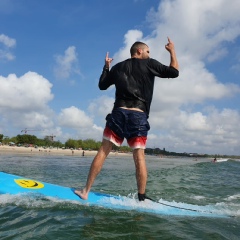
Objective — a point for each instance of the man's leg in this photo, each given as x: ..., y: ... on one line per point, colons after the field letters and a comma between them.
x: 96, y: 167
x: 141, y: 169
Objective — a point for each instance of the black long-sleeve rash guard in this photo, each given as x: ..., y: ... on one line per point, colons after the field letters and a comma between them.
x: 134, y: 81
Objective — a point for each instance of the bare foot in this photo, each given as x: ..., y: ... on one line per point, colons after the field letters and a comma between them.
x: 82, y: 194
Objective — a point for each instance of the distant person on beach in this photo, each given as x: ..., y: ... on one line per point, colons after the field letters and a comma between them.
x: 134, y: 82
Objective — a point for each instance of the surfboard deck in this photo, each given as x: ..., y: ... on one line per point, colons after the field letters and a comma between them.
x: 13, y: 184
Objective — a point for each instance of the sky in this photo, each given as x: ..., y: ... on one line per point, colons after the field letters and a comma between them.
x: 52, y: 53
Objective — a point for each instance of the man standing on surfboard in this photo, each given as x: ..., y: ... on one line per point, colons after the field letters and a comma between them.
x: 134, y: 82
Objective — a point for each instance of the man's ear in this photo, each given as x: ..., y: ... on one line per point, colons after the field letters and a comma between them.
x: 139, y: 51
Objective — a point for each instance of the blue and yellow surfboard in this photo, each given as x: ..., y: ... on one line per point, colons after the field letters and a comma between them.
x: 13, y: 184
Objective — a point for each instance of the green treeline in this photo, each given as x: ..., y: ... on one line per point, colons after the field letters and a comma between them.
x: 26, y: 139
x: 90, y: 144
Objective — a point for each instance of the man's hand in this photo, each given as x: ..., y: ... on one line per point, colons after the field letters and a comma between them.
x: 170, y: 48
x: 108, y: 61
x: 170, y: 45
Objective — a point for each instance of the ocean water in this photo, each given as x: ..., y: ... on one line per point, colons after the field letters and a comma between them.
x: 178, y: 181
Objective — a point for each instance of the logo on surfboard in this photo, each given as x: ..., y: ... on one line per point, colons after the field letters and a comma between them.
x: 30, y: 184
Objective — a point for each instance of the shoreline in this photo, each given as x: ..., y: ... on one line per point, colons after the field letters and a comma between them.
x: 4, y: 149
x: 8, y: 150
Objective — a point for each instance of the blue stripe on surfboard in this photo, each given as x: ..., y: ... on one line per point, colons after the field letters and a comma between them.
x: 9, y: 185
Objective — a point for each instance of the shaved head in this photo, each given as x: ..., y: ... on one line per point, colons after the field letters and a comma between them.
x: 136, y: 46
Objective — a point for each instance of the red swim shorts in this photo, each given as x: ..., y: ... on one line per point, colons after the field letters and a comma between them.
x: 132, y: 125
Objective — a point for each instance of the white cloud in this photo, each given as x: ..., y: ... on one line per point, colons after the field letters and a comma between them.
x: 213, y: 132
x: 67, y: 64
x: 101, y: 106
x: 82, y: 124
x: 6, y: 55
x: 195, y: 85
x: 24, y: 101
x: 95, y: 132
x: 198, y: 27
x: 130, y: 37
x: 28, y: 92
x: 74, y: 118
x: 218, y: 54
x: 8, y: 43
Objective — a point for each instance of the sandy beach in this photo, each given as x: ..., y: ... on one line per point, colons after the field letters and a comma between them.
x: 5, y: 149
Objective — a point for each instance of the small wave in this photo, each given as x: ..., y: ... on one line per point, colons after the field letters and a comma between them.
x: 237, y: 160
x: 163, y: 207
x: 33, y: 200
x: 198, y: 198
x: 234, y: 197
x: 231, y: 209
